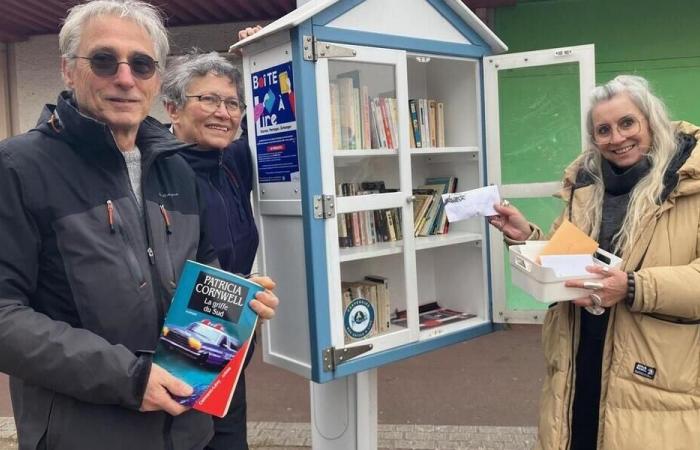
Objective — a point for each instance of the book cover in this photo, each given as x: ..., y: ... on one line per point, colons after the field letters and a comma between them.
x: 415, y: 127
x: 207, y: 333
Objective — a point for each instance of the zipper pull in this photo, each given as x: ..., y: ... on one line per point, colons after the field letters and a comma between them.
x: 151, y: 256
x: 110, y: 217
x: 166, y: 219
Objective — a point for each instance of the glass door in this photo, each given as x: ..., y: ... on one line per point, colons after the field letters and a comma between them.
x: 535, y: 105
x: 365, y: 164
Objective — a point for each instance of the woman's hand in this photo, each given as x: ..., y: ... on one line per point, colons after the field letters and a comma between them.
x: 248, y: 32
x: 606, y: 291
x: 265, y: 302
x: 510, y: 221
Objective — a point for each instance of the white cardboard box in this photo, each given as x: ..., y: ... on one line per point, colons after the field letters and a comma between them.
x: 542, y: 282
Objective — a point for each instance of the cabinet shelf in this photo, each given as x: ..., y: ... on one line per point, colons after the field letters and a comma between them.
x: 370, y: 251
x: 364, y: 153
x: 451, y: 238
x: 444, y: 150
x: 433, y: 332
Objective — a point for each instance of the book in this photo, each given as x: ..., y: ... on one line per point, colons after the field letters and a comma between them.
x: 432, y: 122
x: 359, y: 311
x: 383, y: 301
x: 415, y: 127
x: 440, y: 124
x: 432, y: 315
x: 206, y: 335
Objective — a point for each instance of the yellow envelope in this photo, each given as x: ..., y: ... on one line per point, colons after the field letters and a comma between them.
x: 569, y: 240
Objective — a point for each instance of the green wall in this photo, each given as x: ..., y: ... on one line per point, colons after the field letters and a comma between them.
x: 659, y: 40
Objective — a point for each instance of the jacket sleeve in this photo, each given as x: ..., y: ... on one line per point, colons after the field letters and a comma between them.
x: 38, y: 349
x: 669, y: 290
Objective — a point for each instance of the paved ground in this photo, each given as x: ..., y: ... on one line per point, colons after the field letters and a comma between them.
x: 480, y: 394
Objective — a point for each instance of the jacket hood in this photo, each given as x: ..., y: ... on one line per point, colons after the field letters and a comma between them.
x: 64, y: 121
x: 681, y: 178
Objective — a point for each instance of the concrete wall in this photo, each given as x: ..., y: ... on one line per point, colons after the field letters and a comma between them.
x: 37, y: 66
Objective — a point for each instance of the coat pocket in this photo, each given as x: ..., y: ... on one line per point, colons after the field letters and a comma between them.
x: 554, y: 331
x: 661, y: 354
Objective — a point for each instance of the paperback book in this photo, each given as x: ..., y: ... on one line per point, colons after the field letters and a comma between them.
x: 206, y: 335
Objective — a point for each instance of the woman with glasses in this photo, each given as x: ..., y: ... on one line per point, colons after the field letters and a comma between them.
x: 204, y: 97
x: 624, y: 371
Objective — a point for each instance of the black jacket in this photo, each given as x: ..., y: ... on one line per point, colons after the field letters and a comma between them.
x: 83, y: 290
x: 225, y: 180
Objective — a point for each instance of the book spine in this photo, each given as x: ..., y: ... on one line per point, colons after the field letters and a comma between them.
x: 385, y: 122
x: 441, y: 124
x: 335, y: 116
x: 415, y: 127
x: 432, y: 124
x: 366, y: 127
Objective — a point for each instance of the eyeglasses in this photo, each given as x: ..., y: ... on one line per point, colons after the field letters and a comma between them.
x: 627, y: 126
x: 105, y: 64
x: 211, y: 102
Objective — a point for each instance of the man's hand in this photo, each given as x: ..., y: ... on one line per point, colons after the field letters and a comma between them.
x: 265, y: 302
x: 161, y: 385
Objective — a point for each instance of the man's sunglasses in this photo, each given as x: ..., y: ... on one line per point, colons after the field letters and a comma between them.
x: 106, y: 64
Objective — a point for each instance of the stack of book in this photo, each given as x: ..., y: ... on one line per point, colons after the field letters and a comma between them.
x: 359, y: 121
x: 366, y: 308
x: 427, y: 123
x: 432, y: 315
x: 429, y: 215
x: 367, y: 227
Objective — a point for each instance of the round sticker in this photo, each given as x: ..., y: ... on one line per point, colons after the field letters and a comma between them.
x: 359, y: 318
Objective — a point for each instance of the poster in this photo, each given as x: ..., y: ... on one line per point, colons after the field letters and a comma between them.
x: 275, y: 124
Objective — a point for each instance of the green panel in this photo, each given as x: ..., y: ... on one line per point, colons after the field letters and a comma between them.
x: 540, y: 122
x: 651, y: 38
x: 541, y: 211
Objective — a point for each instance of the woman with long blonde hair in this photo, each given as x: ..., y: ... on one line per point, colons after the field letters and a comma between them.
x: 624, y: 362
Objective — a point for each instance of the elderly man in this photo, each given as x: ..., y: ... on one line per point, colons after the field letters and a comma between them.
x: 98, y: 215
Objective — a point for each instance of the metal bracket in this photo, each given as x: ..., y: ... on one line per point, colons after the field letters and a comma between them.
x: 332, y: 357
x: 314, y: 49
x: 324, y: 206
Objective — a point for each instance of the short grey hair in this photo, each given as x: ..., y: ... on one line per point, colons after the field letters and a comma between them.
x: 182, y: 70
x: 143, y: 14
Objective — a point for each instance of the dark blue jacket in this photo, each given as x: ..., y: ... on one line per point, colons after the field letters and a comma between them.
x: 226, y: 180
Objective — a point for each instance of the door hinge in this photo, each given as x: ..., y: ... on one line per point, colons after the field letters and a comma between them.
x: 324, y: 206
x: 333, y: 357
x: 314, y: 49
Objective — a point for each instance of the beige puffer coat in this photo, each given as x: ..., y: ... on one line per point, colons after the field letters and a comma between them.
x: 650, y: 396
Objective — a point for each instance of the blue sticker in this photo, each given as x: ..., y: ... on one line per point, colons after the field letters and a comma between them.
x: 359, y: 318
x: 275, y: 124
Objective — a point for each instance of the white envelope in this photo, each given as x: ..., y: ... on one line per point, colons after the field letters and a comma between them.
x: 568, y: 265
x: 468, y: 204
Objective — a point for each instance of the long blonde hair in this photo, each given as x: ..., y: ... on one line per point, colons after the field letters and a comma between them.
x: 647, y: 192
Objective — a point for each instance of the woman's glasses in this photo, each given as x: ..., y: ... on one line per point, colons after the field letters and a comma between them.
x: 211, y: 102
x: 105, y: 64
x: 627, y: 126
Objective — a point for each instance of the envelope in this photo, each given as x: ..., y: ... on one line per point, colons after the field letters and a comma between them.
x: 467, y: 204
x: 569, y: 240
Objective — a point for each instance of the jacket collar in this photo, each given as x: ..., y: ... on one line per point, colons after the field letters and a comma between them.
x: 203, y: 161
x: 94, y: 139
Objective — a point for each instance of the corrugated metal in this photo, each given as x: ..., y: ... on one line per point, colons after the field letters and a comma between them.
x: 20, y: 19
